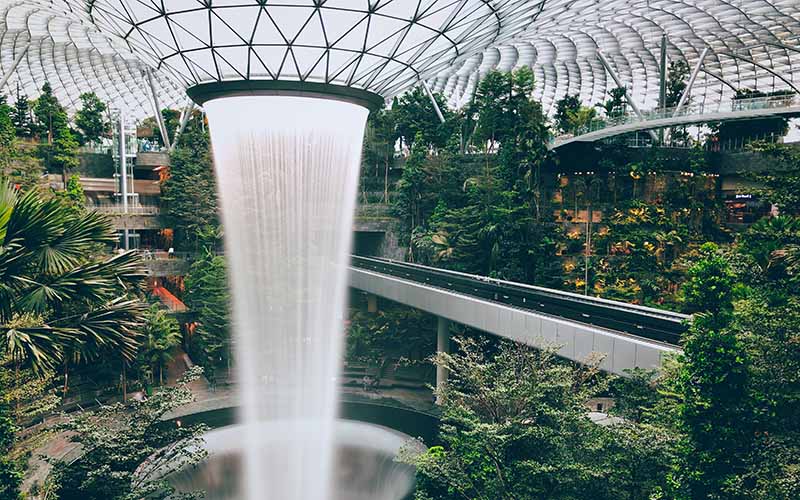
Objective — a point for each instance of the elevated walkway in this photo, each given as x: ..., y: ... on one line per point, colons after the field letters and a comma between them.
x: 738, y: 109
x: 627, y: 335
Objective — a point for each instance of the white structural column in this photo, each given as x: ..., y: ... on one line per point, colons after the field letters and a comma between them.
x: 442, y: 345
x: 10, y: 70
x: 433, y: 101
x: 185, y: 115
x: 123, y: 172
x: 619, y: 84
x: 689, y: 85
x: 157, y: 110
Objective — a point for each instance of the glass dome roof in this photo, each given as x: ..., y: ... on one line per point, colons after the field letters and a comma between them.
x: 386, y: 46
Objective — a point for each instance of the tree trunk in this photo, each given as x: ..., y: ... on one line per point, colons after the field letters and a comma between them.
x: 124, y: 383
x: 66, y: 375
x: 386, y: 179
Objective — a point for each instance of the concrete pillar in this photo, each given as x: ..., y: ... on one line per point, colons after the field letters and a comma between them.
x: 442, y: 345
x: 372, y: 303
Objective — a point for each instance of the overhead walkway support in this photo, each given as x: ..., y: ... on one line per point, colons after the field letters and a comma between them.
x: 627, y: 335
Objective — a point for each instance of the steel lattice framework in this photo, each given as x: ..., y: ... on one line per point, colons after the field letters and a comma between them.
x: 386, y: 46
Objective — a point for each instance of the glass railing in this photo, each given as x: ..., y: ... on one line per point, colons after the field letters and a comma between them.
x: 735, y: 105
x: 117, y: 209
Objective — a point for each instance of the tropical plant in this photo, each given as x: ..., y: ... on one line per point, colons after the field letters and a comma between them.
x: 57, y: 303
x: 128, y: 448
x: 514, y: 425
x: 207, y: 296
x: 189, y: 194
x: 161, y: 335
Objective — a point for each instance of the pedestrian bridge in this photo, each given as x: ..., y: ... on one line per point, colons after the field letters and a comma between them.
x: 737, y: 109
x: 628, y: 336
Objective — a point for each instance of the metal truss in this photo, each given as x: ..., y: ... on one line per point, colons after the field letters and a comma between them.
x: 387, y: 46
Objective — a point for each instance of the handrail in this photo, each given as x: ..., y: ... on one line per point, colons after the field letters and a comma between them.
x: 131, y: 210
x: 698, y: 109
x: 655, y: 324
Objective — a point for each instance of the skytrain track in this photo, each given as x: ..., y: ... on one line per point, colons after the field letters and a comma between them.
x: 654, y: 324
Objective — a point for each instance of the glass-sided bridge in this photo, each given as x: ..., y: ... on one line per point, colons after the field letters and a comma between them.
x: 737, y: 109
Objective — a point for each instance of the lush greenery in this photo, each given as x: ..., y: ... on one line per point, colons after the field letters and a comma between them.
x: 514, y: 425
x: 208, y: 298
x: 188, y: 196
x: 126, y: 449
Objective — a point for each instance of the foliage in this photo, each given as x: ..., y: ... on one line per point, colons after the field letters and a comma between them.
x: 514, y: 425
x: 50, y: 116
x: 781, y: 183
x: 710, y: 285
x: 677, y: 72
x: 51, y: 122
x: 393, y: 333
x: 188, y: 196
x: 171, y: 119
x: 208, y: 297
x: 161, y: 334
x: 89, y: 118
x: 10, y: 475
x: 21, y: 116
x: 79, y: 304
x: 417, y: 120
x: 565, y: 107
x: 7, y: 137
x: 615, y: 107
x: 127, y: 448
x: 770, y: 335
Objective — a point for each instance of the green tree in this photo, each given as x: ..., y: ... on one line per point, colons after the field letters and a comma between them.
x: 128, y: 448
x: 162, y: 335
x: 714, y: 411
x: 566, y: 106
x: 208, y: 298
x: 188, y: 196
x: 616, y: 106
x: 379, y: 144
x: 514, y: 425
x: 50, y: 116
x: 781, y: 183
x: 21, y: 115
x: 7, y: 138
x: 677, y: 74
x: 417, y: 119
x: 710, y: 285
x: 90, y: 118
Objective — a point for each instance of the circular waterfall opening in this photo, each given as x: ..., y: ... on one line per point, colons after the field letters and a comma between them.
x: 366, y: 465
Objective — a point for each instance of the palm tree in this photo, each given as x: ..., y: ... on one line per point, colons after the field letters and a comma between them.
x: 58, y: 302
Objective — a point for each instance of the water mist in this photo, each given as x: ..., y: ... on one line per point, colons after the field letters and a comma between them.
x: 287, y: 170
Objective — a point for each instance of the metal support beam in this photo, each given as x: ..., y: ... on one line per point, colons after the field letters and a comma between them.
x: 662, y: 88
x: 692, y: 78
x: 765, y: 68
x: 433, y: 101
x: 10, y: 71
x: 442, y: 345
x: 123, y: 171
x: 185, y: 115
x: 157, y: 109
x: 616, y: 79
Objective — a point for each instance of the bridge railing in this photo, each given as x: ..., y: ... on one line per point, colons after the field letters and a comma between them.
x: 696, y: 109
